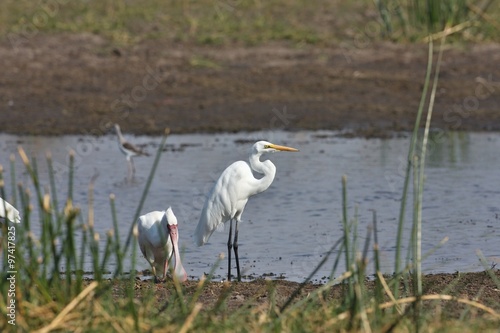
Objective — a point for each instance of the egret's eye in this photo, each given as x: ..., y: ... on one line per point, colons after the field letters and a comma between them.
x: 267, y: 146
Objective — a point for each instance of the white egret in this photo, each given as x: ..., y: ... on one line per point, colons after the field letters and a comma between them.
x: 129, y: 150
x: 8, y: 212
x: 158, y: 240
x: 230, y: 194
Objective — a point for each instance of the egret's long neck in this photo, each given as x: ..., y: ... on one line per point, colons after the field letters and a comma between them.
x: 266, y: 168
x: 120, y: 136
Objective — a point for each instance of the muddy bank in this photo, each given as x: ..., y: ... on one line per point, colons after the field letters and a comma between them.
x: 79, y: 84
x: 477, y: 286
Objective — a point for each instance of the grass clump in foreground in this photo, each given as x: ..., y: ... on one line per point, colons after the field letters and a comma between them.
x: 45, y: 300
x: 411, y: 18
x: 250, y: 22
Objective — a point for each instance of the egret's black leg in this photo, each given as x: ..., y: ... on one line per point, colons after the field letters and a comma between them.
x: 130, y: 165
x: 229, y: 249
x: 133, y: 167
x: 235, y: 246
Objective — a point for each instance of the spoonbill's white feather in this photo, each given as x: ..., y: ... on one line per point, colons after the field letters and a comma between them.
x: 8, y: 212
x: 158, y: 240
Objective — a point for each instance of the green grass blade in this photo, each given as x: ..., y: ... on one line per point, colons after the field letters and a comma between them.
x: 302, y: 285
x: 347, y: 235
x: 117, y: 248
x: 53, y: 191
x: 13, y: 179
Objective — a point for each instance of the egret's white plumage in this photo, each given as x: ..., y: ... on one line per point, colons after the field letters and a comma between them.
x: 129, y: 150
x: 8, y: 212
x: 227, y: 199
x: 158, y: 240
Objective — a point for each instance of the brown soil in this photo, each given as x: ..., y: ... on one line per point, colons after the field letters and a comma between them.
x: 80, y: 84
x: 478, y: 286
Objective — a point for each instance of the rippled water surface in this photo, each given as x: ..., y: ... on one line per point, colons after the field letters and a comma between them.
x: 288, y: 229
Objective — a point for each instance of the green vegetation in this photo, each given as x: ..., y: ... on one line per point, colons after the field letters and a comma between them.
x: 48, y: 301
x: 412, y: 18
x: 250, y: 22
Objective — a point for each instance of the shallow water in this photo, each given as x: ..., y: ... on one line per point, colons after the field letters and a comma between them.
x: 288, y: 229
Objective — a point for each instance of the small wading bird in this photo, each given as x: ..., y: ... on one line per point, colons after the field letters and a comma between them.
x: 158, y: 241
x: 8, y: 212
x: 129, y: 150
x: 230, y: 194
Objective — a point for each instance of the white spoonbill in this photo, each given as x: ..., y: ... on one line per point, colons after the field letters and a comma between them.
x: 129, y: 150
x: 158, y: 241
x: 8, y: 212
x: 230, y: 194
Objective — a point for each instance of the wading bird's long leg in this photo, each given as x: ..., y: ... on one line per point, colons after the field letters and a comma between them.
x: 133, y: 166
x: 235, y: 246
x: 130, y: 173
x: 165, y: 269
x: 153, y: 269
x: 229, y: 248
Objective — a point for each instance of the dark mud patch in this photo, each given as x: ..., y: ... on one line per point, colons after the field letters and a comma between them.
x: 477, y: 286
x: 80, y: 84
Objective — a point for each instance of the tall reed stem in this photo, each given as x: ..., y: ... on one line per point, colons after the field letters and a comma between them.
x: 409, y: 159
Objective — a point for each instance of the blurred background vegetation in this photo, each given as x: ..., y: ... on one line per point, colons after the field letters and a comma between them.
x: 251, y: 22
